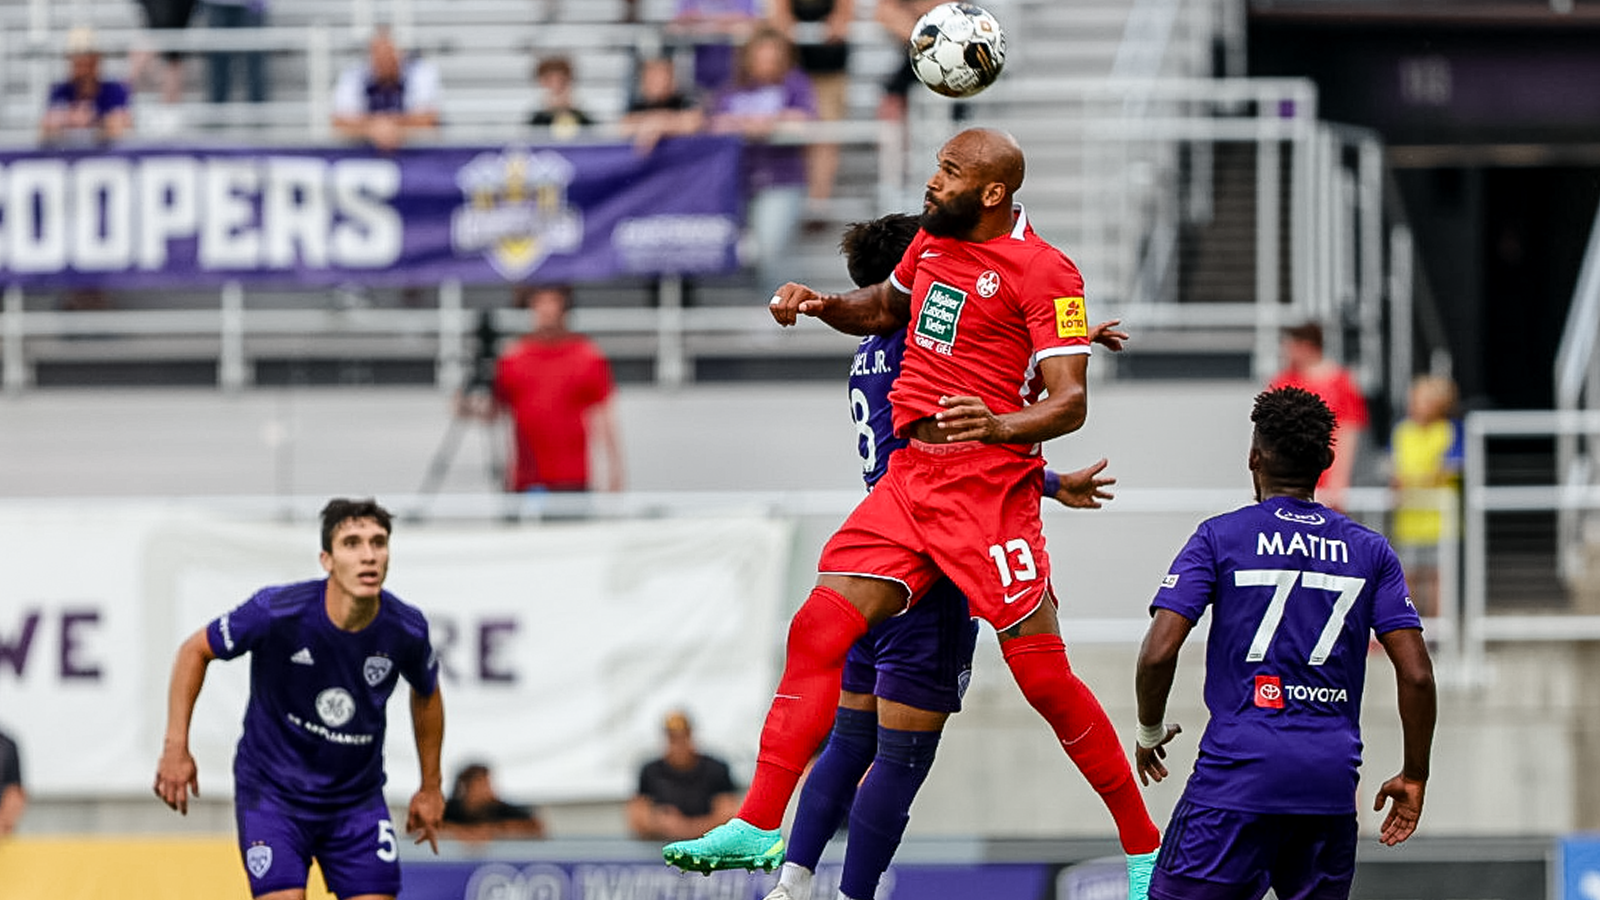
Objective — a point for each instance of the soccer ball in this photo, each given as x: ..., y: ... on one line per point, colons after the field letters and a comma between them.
x: 957, y: 49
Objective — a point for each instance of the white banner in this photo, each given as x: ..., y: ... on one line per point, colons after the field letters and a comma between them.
x: 562, y: 645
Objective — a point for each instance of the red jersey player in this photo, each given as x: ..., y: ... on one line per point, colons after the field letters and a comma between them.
x: 996, y: 357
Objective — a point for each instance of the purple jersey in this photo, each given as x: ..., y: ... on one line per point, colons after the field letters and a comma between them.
x: 1296, y: 590
x: 872, y: 374
x: 313, y: 730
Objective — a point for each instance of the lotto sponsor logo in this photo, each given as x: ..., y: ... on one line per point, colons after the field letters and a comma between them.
x: 1071, y: 319
x: 1269, y: 692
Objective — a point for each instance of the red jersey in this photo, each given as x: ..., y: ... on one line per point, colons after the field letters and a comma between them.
x: 982, y: 316
x: 1338, y: 390
x: 549, y: 386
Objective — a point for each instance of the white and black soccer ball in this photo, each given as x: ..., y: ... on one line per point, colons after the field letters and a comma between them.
x: 957, y: 49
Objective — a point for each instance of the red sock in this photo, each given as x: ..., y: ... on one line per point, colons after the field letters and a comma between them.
x: 802, y: 708
x: 1039, y: 663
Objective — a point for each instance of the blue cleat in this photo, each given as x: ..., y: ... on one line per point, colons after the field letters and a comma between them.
x: 1140, y: 866
x: 735, y: 844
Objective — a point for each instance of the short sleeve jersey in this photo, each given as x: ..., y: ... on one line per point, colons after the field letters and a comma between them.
x: 691, y: 790
x: 109, y: 97
x: 314, y: 726
x: 872, y: 375
x: 549, y: 387
x: 983, y: 314
x: 1295, y: 591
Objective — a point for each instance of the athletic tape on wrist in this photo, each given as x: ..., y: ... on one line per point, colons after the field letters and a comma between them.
x: 1151, y: 736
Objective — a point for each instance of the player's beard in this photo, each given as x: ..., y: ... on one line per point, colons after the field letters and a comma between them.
x: 955, y: 217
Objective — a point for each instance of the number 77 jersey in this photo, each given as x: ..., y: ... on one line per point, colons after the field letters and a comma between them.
x: 1295, y: 591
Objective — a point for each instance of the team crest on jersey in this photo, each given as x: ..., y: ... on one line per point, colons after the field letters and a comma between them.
x: 1269, y: 692
x: 1071, y: 319
x: 335, y: 706
x: 941, y: 312
x: 988, y: 283
x: 376, y: 669
x: 258, y: 859
x: 515, y: 211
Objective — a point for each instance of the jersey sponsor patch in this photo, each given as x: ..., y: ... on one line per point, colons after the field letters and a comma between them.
x: 335, y: 706
x: 941, y: 313
x: 1071, y: 320
x: 1269, y: 692
x: 1170, y: 581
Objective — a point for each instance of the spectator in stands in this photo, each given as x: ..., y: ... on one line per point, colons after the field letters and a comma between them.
x: 712, y: 29
x: 898, y: 17
x: 163, y: 15
x: 683, y: 793
x: 85, y: 109
x: 220, y: 64
x: 385, y: 100
x: 658, y: 108
x: 1306, y: 367
x: 559, y: 113
x: 557, y: 387
x: 768, y: 92
x: 13, y: 798
x: 475, y: 811
x: 825, y: 58
x: 1425, y: 456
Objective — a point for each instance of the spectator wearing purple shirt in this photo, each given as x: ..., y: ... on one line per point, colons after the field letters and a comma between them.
x: 768, y: 91
x: 1295, y: 590
x: 85, y: 109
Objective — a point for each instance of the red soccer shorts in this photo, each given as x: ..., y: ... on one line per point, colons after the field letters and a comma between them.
x: 969, y: 511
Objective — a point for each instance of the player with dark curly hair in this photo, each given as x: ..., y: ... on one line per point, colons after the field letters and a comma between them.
x: 1295, y: 590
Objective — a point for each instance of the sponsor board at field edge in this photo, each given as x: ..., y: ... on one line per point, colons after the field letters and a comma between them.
x: 158, y: 217
x: 1580, y: 867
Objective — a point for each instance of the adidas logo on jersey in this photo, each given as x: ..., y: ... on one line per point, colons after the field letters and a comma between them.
x: 302, y: 657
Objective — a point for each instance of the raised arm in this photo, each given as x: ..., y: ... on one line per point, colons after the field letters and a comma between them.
x: 176, y: 774
x: 1419, y: 708
x: 1158, y: 662
x: 876, y: 309
x: 427, y: 804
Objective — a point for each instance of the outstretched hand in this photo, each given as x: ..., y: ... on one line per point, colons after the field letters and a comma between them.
x: 1107, y: 335
x: 1148, y: 760
x: 424, y: 816
x: 1085, y: 488
x: 791, y: 301
x: 1401, y: 821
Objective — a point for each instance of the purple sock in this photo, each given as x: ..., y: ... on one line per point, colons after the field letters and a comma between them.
x: 883, y: 807
x: 831, y: 786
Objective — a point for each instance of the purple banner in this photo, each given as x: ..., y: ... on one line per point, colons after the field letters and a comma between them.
x: 653, y: 881
x: 151, y: 218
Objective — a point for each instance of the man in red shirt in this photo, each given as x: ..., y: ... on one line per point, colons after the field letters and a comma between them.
x: 996, y: 358
x: 1307, y: 368
x: 557, y: 387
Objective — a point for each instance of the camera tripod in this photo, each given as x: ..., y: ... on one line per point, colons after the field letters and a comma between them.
x: 478, y: 391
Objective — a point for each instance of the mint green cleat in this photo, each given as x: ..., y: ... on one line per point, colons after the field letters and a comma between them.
x: 1140, y: 866
x: 735, y: 844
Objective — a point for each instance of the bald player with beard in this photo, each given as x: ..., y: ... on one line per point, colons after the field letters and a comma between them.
x: 996, y: 360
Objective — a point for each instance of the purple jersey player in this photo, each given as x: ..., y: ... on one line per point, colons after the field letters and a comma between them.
x: 903, y: 679
x: 1295, y: 591
x: 308, y: 774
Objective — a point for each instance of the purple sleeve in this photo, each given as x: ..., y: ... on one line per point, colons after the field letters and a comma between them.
x: 113, y: 96
x: 798, y: 93
x: 235, y: 632
x: 421, y: 666
x: 60, y: 94
x: 1392, y: 608
x: 1191, y: 580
